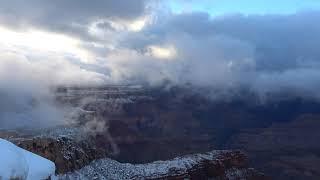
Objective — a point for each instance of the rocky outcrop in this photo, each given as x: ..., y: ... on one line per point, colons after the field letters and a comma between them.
x: 67, y: 155
x: 83, y: 158
x: 70, y: 149
x: 211, y: 165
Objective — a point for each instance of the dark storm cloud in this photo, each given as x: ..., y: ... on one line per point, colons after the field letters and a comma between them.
x: 67, y: 16
x: 71, y: 10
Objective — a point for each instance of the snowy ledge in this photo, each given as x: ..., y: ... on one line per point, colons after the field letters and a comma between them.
x: 17, y: 163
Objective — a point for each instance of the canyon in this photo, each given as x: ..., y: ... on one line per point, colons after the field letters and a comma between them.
x: 133, y: 128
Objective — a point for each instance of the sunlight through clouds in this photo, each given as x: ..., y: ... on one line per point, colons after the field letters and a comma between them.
x: 163, y: 52
x: 43, y: 41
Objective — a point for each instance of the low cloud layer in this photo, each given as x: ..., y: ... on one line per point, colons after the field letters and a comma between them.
x: 26, y: 86
x: 264, y: 53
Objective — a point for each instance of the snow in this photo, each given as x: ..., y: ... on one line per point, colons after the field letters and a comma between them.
x: 17, y: 163
x: 39, y: 167
x: 13, y: 163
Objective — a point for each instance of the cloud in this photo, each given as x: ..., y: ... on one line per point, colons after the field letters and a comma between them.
x: 69, y: 17
x: 26, y: 84
x: 22, y: 97
x: 262, y: 53
x: 230, y: 51
x: 60, y: 11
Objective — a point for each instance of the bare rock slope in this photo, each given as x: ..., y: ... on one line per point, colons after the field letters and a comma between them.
x: 211, y: 165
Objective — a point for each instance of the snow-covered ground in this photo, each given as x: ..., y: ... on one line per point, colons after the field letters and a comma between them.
x: 17, y: 163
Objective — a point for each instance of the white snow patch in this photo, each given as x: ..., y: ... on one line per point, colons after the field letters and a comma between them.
x: 13, y: 163
x: 17, y: 163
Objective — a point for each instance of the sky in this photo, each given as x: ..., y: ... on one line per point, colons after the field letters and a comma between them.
x: 216, y: 7
x: 226, y: 46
